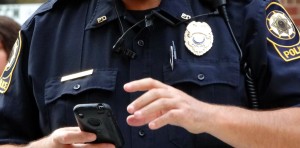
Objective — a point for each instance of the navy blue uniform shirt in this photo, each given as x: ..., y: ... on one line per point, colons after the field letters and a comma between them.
x: 68, y: 37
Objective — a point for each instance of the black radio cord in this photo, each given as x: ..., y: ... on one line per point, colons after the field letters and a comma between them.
x: 250, y: 84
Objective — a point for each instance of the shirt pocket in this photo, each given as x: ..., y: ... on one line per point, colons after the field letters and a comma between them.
x: 210, y: 81
x: 61, y: 97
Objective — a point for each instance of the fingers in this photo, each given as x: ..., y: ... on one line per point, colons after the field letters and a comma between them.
x: 151, y: 111
x: 165, y: 119
x: 155, y: 90
x: 172, y: 117
x: 162, y: 105
x: 72, y: 135
x: 143, y: 85
x: 147, y: 98
x: 154, y: 106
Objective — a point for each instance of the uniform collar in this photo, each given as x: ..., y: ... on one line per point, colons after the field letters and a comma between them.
x: 104, y: 11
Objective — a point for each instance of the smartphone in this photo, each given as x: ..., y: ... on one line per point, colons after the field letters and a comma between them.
x: 98, y: 118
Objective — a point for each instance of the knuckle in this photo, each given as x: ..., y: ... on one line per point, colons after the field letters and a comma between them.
x: 149, y: 79
x: 154, y: 92
x: 63, y: 139
x: 154, y: 82
x: 164, y: 103
x: 172, y: 114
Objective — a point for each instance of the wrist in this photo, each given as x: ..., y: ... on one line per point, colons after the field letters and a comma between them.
x: 208, y: 119
x: 218, y: 119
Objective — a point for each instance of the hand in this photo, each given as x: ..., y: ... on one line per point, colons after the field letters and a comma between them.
x: 69, y: 137
x: 163, y: 104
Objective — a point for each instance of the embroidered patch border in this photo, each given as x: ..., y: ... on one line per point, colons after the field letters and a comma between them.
x: 6, y: 76
x: 284, y: 35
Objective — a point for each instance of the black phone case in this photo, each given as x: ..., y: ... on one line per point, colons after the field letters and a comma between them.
x: 98, y: 118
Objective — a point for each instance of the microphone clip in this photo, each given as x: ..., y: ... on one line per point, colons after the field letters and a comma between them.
x: 119, y: 48
x: 148, y: 21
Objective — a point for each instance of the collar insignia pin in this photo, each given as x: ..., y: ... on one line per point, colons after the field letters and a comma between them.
x: 185, y: 16
x: 101, y: 19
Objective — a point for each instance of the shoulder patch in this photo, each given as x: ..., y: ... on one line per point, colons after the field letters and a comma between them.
x: 283, y: 33
x: 5, y: 78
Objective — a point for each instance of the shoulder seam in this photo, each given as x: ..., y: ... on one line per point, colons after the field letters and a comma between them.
x: 42, y: 9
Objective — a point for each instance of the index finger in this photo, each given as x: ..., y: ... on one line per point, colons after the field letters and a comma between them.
x: 72, y: 135
x: 143, y: 85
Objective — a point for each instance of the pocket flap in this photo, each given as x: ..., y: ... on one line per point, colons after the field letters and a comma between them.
x: 202, y: 73
x: 100, y: 79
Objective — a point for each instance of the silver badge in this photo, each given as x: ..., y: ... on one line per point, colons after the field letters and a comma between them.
x: 198, y: 38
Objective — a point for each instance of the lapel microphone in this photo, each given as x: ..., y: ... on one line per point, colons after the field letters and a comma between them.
x: 220, y: 5
x: 119, y: 46
x: 214, y: 4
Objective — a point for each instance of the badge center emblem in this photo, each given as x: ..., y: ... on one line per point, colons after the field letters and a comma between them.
x: 280, y: 25
x: 199, y: 38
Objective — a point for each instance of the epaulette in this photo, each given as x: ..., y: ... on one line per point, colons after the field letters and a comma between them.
x: 42, y: 9
x: 47, y: 6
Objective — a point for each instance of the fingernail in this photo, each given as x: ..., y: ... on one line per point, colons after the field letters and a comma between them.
x: 151, y: 125
x: 138, y: 114
x: 130, y: 109
x: 126, y: 85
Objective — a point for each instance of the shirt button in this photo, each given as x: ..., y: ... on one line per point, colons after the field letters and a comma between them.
x: 142, y: 133
x: 76, y: 87
x: 141, y: 43
x: 201, y: 77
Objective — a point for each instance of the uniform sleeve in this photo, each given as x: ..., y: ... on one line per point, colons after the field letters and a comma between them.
x: 18, y: 110
x: 273, y: 53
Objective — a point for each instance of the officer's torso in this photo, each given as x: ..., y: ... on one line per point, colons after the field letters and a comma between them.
x: 76, y: 42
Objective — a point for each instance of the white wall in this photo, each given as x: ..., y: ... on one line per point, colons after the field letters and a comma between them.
x: 19, y: 12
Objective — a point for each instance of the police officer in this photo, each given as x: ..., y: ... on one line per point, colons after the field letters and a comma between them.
x: 171, y: 71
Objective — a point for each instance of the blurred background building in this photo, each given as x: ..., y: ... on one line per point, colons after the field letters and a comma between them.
x: 20, y: 10
x: 293, y: 7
